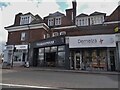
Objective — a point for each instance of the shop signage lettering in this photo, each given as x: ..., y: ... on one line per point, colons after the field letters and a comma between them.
x: 9, y: 47
x: 21, y: 46
x: 87, y: 41
x: 92, y: 41
x: 45, y: 43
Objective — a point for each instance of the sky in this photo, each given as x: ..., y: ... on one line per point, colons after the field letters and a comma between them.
x: 8, y: 9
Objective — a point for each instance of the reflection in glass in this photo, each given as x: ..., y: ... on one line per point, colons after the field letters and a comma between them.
x: 61, y: 58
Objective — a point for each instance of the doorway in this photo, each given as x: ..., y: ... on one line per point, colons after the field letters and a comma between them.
x: 112, y: 60
x: 35, y: 58
x: 50, y: 59
x: 77, y: 60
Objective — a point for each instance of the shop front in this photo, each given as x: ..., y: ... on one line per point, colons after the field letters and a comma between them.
x: 95, y: 52
x: 49, y: 53
x: 16, y: 55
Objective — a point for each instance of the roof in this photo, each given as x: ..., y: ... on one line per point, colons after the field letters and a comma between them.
x: 27, y: 14
x: 82, y: 15
x: 90, y: 30
x: 56, y: 14
x: 114, y: 16
x: 37, y: 20
x: 97, y: 13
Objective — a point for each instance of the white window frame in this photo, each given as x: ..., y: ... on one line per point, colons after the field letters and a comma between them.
x: 63, y: 33
x: 50, y: 21
x: 23, y: 36
x: 24, y: 20
x: 58, y: 21
x: 55, y: 34
x: 44, y: 36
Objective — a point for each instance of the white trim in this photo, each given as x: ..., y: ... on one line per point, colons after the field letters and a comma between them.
x: 26, y: 27
x: 65, y: 27
x: 112, y: 22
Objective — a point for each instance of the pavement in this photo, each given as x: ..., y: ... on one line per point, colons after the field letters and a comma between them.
x: 53, y: 69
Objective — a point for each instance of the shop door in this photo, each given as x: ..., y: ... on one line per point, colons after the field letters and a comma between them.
x: 77, y: 60
x: 50, y: 59
x: 35, y: 58
x: 112, y: 60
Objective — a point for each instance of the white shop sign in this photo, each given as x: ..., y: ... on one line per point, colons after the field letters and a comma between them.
x: 9, y: 47
x: 21, y: 46
x: 92, y: 41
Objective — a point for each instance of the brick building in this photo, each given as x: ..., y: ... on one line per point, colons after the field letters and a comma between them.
x: 68, y: 41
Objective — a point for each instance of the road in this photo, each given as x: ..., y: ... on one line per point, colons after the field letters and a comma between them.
x: 49, y: 79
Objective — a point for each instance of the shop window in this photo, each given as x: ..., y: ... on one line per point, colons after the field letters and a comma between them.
x: 47, y: 49
x: 61, y: 48
x: 54, y: 49
x: 99, y: 59
x: 61, y: 58
x: 41, y: 56
x: 18, y: 56
x: 41, y: 50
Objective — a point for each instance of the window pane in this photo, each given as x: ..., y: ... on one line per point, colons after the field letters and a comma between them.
x: 54, y: 49
x: 61, y: 58
x: 61, y: 48
x: 47, y: 49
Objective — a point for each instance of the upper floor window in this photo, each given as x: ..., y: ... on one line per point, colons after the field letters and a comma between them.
x: 83, y: 22
x: 58, y: 21
x: 24, y: 20
x: 48, y: 35
x: 55, y: 34
x: 50, y: 22
x: 44, y: 36
x: 92, y: 21
x: 63, y: 33
x: 23, y: 36
x: 80, y: 22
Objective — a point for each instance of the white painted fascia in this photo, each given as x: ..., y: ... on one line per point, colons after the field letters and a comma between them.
x: 66, y: 27
x: 112, y: 22
x: 27, y: 27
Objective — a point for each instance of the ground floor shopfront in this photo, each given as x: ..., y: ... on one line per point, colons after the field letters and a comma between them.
x: 52, y: 52
x: 16, y: 55
x: 95, y: 52
x: 93, y: 59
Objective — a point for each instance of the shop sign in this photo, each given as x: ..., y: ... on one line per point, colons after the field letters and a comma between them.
x: 50, y: 42
x: 117, y: 37
x: 21, y: 46
x: 45, y: 43
x: 9, y: 47
x: 92, y: 41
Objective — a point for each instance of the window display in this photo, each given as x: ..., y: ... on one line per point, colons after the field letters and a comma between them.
x: 94, y: 59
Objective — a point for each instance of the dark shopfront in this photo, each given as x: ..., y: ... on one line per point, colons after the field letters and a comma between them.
x: 51, y: 52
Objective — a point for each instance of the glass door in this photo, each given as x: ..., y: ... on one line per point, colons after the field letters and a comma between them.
x: 77, y: 60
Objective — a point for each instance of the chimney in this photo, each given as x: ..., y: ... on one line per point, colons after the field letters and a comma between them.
x: 17, y: 19
x: 74, y: 4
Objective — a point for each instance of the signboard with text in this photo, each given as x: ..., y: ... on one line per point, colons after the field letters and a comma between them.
x: 92, y: 41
